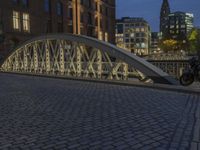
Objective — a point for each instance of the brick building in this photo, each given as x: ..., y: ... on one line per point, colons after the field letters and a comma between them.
x: 23, y: 19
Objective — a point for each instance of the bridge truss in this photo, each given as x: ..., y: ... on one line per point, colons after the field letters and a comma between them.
x: 80, y: 56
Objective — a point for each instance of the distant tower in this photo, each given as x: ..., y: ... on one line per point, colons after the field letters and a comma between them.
x: 165, y: 11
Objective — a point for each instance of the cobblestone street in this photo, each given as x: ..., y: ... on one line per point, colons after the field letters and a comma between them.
x: 45, y: 113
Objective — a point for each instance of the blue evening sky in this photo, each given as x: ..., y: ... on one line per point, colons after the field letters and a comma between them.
x: 150, y: 9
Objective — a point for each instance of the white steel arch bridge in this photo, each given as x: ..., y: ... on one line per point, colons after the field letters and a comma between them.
x: 80, y: 56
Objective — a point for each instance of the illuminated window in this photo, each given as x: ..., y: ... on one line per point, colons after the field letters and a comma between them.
x: 106, y: 37
x: 100, y: 35
x: 26, y: 22
x: 132, y: 35
x: 137, y: 30
x: 16, y: 20
x: 142, y: 29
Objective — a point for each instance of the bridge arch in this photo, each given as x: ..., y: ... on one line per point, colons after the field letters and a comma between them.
x: 80, y: 56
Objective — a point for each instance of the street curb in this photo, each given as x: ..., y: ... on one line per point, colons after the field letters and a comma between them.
x: 163, y: 87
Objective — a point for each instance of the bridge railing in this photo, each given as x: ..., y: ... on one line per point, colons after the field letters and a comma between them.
x: 172, y: 67
x: 122, y: 72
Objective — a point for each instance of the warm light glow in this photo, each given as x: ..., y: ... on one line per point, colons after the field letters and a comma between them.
x: 16, y: 20
x: 26, y: 22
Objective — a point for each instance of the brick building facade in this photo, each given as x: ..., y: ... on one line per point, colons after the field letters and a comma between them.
x: 24, y: 19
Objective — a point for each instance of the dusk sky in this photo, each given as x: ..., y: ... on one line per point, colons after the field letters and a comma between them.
x: 150, y: 9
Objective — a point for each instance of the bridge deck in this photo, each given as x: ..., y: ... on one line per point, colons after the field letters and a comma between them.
x: 62, y: 114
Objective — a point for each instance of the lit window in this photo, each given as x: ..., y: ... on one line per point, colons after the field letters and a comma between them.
x: 137, y: 30
x: 26, y: 22
x: 16, y: 20
x: 106, y: 37
x: 100, y: 35
x: 132, y: 35
x: 142, y: 29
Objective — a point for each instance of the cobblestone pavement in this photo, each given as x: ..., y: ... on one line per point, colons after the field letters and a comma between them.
x: 41, y: 113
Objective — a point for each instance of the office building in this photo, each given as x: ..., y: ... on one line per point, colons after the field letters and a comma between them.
x: 134, y: 35
x: 174, y: 25
x: 155, y: 39
x: 179, y: 25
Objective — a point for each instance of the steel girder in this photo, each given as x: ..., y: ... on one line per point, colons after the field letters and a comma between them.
x: 80, y: 56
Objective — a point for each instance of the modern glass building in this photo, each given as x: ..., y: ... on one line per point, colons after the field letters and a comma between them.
x: 179, y: 25
x: 174, y: 25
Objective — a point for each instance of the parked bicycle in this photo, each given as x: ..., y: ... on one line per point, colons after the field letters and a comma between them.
x: 192, y: 74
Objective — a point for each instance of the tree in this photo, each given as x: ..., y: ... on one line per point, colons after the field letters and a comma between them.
x: 169, y: 45
x: 194, y: 41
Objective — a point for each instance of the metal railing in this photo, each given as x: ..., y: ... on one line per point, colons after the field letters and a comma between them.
x: 174, y: 68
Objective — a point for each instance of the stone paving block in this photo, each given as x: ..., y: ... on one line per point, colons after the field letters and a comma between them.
x: 194, y: 146
x: 137, y: 146
x: 196, y: 136
x: 109, y: 147
x: 42, y: 113
x: 160, y: 148
x: 172, y: 148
